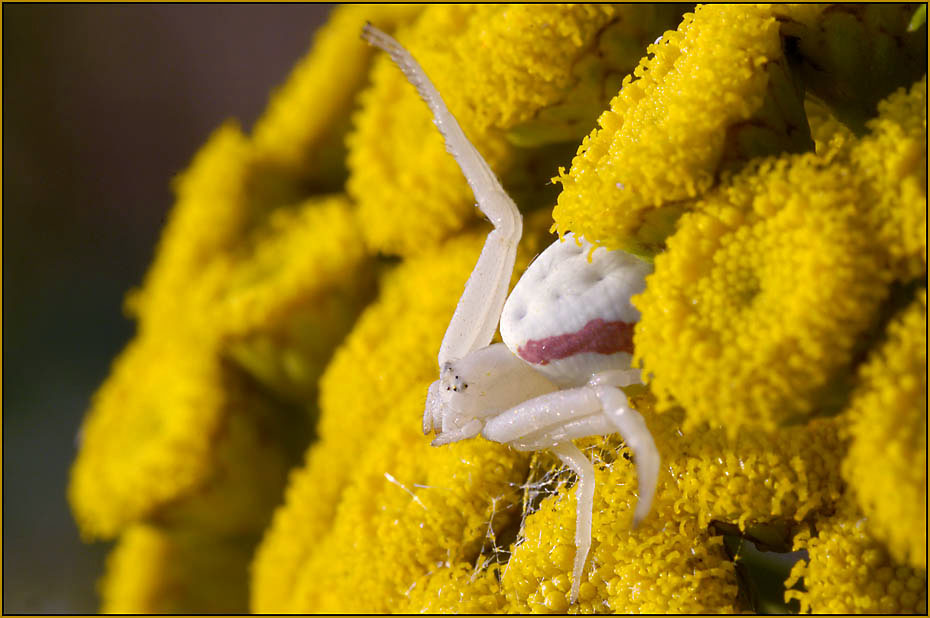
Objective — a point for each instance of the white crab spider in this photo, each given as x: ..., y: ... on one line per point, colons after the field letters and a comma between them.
x: 567, y: 331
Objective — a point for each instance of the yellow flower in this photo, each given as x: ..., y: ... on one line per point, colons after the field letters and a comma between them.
x: 227, y: 283
x: 389, y: 355
x: 495, y: 78
x: 893, y: 160
x: 208, y: 219
x: 292, y: 293
x: 447, y: 516
x: 175, y: 435
x: 849, y: 572
x: 709, y: 96
x: 888, y: 416
x: 386, y: 356
x: 762, y: 298
x: 757, y: 480
x: 159, y: 571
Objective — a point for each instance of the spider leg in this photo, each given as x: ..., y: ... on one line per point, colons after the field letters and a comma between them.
x: 551, y: 421
x: 593, y: 425
x: 584, y: 514
x: 573, y: 413
x: 636, y: 435
x: 479, y: 308
x: 543, y: 414
x: 471, y: 429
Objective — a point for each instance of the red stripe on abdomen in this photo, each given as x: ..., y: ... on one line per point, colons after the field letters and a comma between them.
x: 597, y: 336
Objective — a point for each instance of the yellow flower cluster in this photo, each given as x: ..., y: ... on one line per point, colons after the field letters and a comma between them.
x: 172, y: 560
x: 707, y: 97
x: 668, y: 564
x: 790, y: 264
x: 448, y: 514
x: 773, y: 284
x: 187, y: 444
x: 889, y: 430
x: 893, y: 157
x: 762, y: 297
x: 849, y: 572
x: 389, y: 357
x: 509, y: 74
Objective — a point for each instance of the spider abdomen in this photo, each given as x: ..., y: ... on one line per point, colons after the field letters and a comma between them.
x: 570, y: 317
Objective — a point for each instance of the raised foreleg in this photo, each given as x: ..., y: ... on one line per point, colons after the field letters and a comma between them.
x: 479, y: 308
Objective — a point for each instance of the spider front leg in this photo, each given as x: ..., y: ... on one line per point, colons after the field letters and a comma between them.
x: 479, y: 308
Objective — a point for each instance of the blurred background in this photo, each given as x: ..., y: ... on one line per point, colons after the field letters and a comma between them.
x: 102, y: 106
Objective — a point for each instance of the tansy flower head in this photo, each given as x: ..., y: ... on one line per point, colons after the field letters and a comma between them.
x: 762, y: 297
x: 292, y: 292
x: 710, y: 95
x: 893, y: 160
x: 658, y: 567
x: 755, y: 480
x: 888, y: 424
x: 174, y: 434
x: 159, y: 571
x: 847, y: 571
